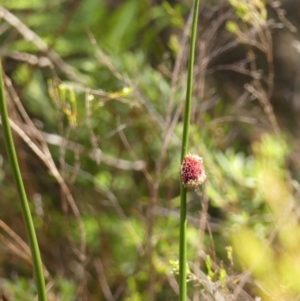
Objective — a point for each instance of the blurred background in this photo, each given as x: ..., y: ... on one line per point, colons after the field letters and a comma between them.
x: 95, y: 90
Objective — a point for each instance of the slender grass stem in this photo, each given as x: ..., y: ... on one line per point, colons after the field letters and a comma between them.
x: 11, y: 152
x: 185, y: 137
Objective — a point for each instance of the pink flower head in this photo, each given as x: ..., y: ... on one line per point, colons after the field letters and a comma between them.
x: 192, y: 171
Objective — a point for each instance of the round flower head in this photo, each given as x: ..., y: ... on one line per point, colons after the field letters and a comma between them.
x: 192, y: 171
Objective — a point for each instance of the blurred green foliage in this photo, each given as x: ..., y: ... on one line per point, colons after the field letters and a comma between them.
x: 117, y: 118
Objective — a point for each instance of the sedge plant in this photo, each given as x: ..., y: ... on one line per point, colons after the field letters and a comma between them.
x: 191, y: 165
x: 12, y: 156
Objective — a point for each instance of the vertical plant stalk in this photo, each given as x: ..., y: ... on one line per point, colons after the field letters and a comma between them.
x: 11, y: 152
x: 183, y: 191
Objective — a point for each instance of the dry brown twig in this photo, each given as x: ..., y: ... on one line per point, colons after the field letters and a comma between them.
x: 57, y: 140
x: 102, y: 280
x: 257, y: 36
x: 15, y: 243
x: 29, y: 35
x: 263, y: 41
x: 18, y: 247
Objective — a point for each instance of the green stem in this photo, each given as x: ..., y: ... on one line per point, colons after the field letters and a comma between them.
x: 11, y: 152
x: 183, y: 192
